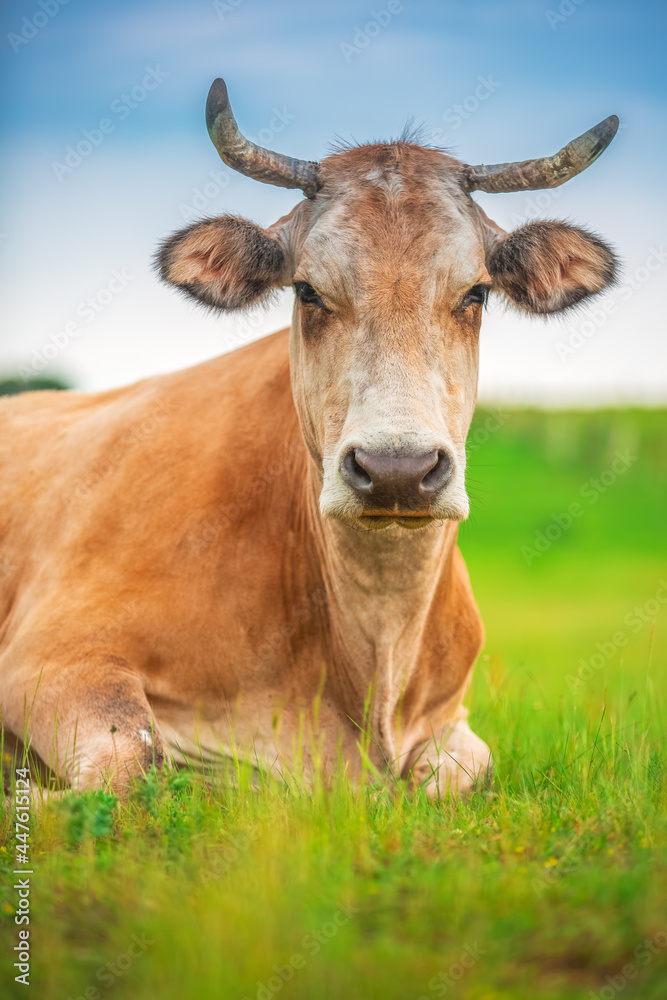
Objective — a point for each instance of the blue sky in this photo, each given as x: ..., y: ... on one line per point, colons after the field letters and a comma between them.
x: 298, y: 75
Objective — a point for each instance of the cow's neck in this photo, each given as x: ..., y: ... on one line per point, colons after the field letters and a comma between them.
x: 381, y: 586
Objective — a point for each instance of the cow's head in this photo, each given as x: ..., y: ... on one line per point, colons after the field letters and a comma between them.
x: 391, y: 261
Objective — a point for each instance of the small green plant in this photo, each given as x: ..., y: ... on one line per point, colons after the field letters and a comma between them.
x: 90, y: 814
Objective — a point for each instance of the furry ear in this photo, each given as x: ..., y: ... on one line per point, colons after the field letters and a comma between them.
x: 545, y: 267
x: 226, y: 263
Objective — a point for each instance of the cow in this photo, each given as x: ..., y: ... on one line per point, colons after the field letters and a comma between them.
x: 256, y: 558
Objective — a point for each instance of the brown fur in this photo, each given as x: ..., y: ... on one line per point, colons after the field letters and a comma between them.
x: 210, y: 532
x: 225, y: 263
x: 181, y: 564
x: 547, y: 267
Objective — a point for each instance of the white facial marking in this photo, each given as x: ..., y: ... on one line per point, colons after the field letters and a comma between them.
x: 386, y: 178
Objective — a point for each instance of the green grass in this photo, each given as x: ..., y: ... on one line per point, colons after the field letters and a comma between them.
x: 548, y: 885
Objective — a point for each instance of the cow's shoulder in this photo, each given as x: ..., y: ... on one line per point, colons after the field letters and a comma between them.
x: 35, y: 427
x: 264, y: 360
x: 76, y: 466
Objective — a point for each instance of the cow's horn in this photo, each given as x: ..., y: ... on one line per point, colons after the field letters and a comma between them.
x: 548, y: 172
x: 253, y: 161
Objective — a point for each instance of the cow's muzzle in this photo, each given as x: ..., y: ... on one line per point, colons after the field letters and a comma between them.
x: 397, y: 484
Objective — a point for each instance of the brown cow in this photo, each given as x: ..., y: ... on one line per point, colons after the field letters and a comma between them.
x: 259, y: 554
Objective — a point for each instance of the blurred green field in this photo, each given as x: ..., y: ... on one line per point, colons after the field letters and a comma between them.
x: 552, y: 885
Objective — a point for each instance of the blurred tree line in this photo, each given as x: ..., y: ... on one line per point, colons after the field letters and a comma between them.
x: 12, y: 386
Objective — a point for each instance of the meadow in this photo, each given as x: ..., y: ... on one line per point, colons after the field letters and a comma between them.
x: 553, y: 884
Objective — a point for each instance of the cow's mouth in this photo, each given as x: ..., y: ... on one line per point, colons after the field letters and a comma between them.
x: 376, y: 522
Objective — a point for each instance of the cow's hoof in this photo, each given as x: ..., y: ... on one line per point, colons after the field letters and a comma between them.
x: 461, y: 764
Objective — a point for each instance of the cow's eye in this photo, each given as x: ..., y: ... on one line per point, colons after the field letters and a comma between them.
x: 477, y: 296
x: 307, y: 294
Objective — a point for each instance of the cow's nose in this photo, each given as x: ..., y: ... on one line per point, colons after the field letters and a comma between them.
x: 396, y: 480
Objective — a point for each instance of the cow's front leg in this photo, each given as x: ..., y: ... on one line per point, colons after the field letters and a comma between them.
x: 90, y: 722
x: 455, y: 762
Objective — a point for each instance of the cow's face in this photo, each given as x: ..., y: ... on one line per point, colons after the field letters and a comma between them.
x: 390, y: 275
x: 391, y: 262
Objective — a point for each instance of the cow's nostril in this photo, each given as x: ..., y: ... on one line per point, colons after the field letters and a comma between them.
x: 437, y: 476
x: 356, y: 476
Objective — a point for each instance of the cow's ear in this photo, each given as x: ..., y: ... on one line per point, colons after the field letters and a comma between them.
x: 545, y: 267
x: 226, y: 263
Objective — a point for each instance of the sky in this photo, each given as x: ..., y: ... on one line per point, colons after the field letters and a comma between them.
x: 126, y: 81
